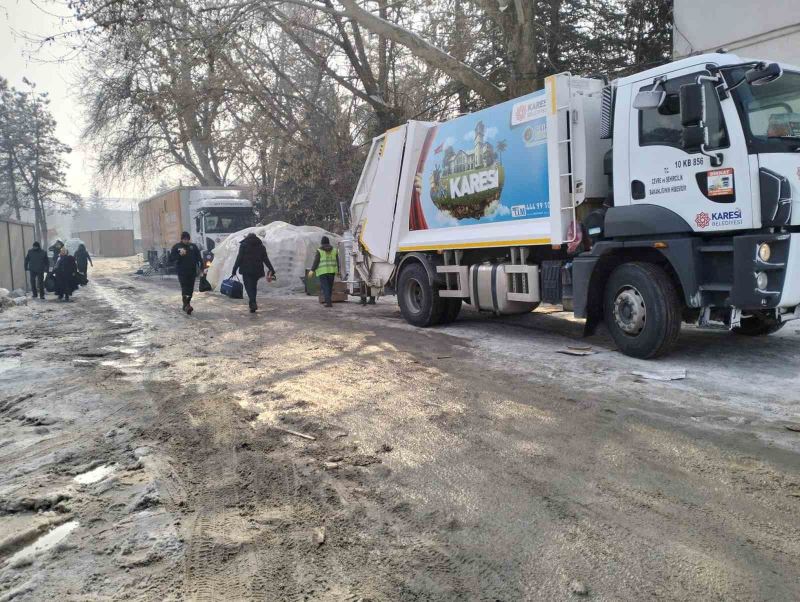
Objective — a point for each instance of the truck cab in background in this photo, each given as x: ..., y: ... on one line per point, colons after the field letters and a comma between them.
x: 660, y: 198
x: 209, y: 214
x: 213, y: 219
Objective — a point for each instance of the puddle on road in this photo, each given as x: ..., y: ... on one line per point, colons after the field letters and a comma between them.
x: 95, y: 475
x: 46, y: 542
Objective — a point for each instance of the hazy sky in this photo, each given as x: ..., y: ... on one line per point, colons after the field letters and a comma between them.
x: 54, y: 69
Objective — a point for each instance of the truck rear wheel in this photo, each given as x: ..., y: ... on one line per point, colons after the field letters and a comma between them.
x: 419, y: 303
x: 758, y: 324
x: 642, y: 310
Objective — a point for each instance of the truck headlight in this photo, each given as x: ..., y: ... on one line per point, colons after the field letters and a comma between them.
x: 764, y: 252
x: 762, y: 280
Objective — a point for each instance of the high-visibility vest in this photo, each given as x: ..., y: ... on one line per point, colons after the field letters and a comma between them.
x: 328, y: 262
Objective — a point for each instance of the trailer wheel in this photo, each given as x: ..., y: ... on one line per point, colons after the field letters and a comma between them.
x: 452, y: 307
x: 642, y: 310
x: 758, y: 325
x: 420, y: 304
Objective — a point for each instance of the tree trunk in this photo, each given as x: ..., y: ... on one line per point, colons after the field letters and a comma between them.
x: 12, y: 183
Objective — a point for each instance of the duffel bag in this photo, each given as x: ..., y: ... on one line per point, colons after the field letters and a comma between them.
x: 204, y: 285
x: 231, y: 287
x: 81, y: 279
x: 50, y: 282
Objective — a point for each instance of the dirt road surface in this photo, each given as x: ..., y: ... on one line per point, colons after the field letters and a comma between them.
x: 314, y: 454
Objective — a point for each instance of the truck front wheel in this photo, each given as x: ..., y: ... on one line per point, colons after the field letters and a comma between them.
x: 642, y: 310
x: 758, y: 324
x: 420, y: 304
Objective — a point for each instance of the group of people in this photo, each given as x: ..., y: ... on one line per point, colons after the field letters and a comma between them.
x: 250, y: 263
x: 69, y: 271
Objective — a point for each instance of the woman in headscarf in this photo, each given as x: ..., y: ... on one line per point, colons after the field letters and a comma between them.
x: 65, y: 273
x: 83, y: 259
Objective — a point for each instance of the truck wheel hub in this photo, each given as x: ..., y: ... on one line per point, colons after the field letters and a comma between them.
x: 629, y: 311
x: 414, y: 295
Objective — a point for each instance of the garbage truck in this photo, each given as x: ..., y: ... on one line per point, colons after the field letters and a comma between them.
x: 209, y: 214
x: 649, y: 201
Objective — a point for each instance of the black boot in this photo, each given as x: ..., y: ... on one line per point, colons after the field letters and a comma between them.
x: 185, y: 302
x: 189, y: 308
x: 253, y: 307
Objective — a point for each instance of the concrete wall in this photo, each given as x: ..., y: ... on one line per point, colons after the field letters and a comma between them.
x: 108, y: 243
x: 763, y: 29
x: 15, y: 240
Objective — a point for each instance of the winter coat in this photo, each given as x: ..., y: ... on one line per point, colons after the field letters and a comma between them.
x: 252, y: 257
x: 327, y: 249
x: 65, y: 273
x: 37, y: 261
x: 83, y: 259
x: 188, y: 264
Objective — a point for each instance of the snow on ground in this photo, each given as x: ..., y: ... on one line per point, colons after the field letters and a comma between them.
x: 290, y: 248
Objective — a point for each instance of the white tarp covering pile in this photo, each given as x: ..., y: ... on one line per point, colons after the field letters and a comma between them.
x: 290, y: 248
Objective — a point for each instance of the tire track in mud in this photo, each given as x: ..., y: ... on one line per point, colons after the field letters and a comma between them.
x: 220, y: 561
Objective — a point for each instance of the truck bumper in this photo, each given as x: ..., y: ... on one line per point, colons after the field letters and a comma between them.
x: 746, y: 294
x: 790, y: 295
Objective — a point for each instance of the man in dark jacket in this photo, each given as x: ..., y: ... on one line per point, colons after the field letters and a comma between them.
x: 186, y: 256
x: 38, y: 264
x: 65, y: 272
x: 326, y: 266
x: 250, y: 263
x: 83, y: 259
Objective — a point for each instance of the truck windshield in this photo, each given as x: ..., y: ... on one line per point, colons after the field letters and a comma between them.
x: 770, y: 113
x: 226, y: 221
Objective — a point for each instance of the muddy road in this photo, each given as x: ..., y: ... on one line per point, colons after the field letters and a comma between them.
x: 313, y: 454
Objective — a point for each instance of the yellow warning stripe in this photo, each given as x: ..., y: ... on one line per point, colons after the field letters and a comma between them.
x: 361, y: 237
x: 476, y: 245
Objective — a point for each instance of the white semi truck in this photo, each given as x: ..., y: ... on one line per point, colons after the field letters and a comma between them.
x: 209, y: 214
x: 660, y: 198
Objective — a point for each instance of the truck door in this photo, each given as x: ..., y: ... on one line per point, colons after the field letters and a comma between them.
x: 709, y: 198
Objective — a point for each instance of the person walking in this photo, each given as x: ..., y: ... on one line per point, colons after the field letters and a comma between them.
x: 326, y: 266
x: 188, y: 260
x: 83, y: 259
x: 38, y: 264
x: 55, y: 249
x: 250, y: 263
x: 65, y: 272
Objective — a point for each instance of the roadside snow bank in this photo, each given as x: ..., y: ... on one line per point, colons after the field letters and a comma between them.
x: 291, y: 250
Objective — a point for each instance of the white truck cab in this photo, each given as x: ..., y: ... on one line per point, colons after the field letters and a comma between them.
x: 213, y: 219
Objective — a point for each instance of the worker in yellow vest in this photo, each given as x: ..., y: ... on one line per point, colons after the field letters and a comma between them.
x: 326, y: 266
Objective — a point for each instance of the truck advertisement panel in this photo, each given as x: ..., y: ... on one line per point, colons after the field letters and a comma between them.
x: 487, y: 167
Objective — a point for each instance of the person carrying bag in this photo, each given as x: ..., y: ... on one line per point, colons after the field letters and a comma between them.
x: 250, y: 263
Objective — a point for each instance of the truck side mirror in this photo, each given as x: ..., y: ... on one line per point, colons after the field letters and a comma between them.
x: 694, y: 137
x: 693, y: 104
x: 763, y: 73
x: 649, y: 99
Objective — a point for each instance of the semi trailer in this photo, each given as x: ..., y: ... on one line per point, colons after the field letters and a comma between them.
x: 649, y: 201
x: 209, y: 214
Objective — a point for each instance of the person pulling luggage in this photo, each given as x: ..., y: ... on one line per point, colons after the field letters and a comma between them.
x: 186, y: 256
x: 38, y: 264
x: 326, y: 266
x: 250, y: 264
